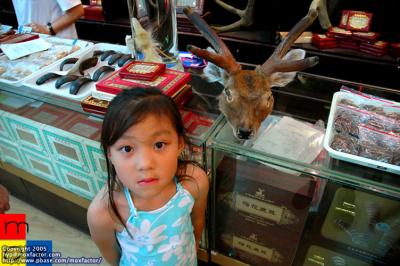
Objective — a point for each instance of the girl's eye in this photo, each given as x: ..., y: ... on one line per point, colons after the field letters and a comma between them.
x: 126, y: 149
x: 159, y: 145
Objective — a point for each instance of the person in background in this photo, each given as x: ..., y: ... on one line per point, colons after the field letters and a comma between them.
x: 4, y: 199
x: 53, y: 17
x: 152, y: 211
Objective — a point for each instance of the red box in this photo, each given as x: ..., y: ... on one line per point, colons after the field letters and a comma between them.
x: 373, y: 52
x: 94, y: 12
x: 326, y: 45
x: 94, y: 105
x: 168, y: 82
x: 142, y: 70
x: 395, y: 49
x: 322, y: 38
x: 358, y: 21
x: 344, y: 19
x: 365, y: 36
x: 339, y: 32
x: 379, y: 45
x: 196, y: 124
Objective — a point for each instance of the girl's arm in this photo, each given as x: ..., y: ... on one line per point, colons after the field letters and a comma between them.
x: 102, y: 229
x: 199, y: 191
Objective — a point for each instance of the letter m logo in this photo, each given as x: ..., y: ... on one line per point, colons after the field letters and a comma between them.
x: 13, y: 226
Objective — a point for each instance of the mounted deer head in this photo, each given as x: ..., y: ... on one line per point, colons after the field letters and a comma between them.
x: 247, y: 98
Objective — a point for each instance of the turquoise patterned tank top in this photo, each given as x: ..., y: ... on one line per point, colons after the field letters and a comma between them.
x: 160, y: 237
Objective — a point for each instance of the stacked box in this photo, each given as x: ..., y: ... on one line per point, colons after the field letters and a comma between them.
x: 317, y: 256
x: 76, y: 181
x: 252, y: 199
x: 66, y: 148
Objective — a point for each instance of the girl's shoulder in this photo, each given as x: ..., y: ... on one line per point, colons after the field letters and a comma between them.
x: 195, y: 180
x: 99, y: 212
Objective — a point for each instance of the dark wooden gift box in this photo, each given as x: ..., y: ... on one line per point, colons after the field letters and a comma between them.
x: 277, y: 208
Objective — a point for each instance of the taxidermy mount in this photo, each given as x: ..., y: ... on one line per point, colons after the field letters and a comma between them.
x: 247, y: 99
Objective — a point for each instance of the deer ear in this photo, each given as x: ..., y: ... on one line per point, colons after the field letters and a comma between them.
x: 281, y: 79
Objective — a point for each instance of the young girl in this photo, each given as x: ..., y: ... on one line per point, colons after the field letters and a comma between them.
x: 152, y: 211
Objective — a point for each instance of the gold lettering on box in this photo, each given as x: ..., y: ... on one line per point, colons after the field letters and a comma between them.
x: 358, y: 21
x: 352, y: 213
x: 278, y: 214
x: 66, y: 151
x: 26, y: 136
x: 269, y: 254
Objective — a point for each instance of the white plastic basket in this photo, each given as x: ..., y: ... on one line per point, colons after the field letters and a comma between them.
x: 330, y: 132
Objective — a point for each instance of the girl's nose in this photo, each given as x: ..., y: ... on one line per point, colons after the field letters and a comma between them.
x: 144, y: 160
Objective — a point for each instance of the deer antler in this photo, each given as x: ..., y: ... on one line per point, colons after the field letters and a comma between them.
x: 247, y: 97
x: 275, y: 62
x: 322, y: 9
x: 224, y: 58
x: 246, y: 16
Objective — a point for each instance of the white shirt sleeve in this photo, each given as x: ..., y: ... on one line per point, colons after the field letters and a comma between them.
x: 68, y: 4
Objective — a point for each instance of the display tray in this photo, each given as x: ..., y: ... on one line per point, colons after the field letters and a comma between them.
x: 19, y: 70
x: 87, y: 88
x: 380, y: 137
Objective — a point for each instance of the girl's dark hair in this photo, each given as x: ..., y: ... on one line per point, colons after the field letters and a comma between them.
x: 127, y: 109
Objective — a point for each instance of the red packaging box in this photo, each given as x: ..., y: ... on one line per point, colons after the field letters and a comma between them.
x: 358, y: 21
x: 196, y: 124
x: 339, y: 32
x: 94, y: 12
x: 326, y: 45
x: 168, y: 82
x: 379, y: 45
x: 372, y: 52
x: 94, y: 105
x: 322, y: 38
x: 142, y: 70
x: 344, y: 19
x: 365, y: 36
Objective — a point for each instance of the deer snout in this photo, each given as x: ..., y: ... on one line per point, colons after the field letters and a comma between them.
x: 244, y: 133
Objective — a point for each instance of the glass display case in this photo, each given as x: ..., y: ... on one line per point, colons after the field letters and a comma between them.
x: 282, y: 200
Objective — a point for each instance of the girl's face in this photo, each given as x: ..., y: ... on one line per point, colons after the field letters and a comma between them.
x: 145, y: 158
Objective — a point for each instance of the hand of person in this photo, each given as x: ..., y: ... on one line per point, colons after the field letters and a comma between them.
x: 39, y: 28
x: 4, y: 200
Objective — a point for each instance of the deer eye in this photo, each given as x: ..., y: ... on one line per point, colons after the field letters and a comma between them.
x: 228, y: 95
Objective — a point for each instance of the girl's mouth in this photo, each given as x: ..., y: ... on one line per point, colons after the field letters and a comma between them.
x: 147, y: 181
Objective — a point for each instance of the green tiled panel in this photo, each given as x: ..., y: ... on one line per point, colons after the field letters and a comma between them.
x: 41, y: 167
x: 77, y: 182
x: 66, y: 148
x: 11, y: 154
x: 27, y: 133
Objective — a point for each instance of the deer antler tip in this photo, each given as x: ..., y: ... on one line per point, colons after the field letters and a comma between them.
x: 188, y: 47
